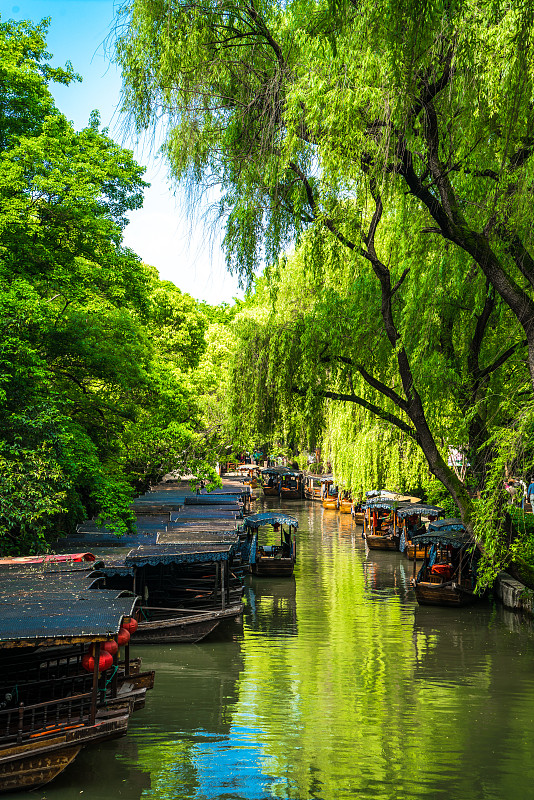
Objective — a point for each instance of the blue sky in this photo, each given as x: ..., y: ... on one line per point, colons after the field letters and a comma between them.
x: 160, y: 233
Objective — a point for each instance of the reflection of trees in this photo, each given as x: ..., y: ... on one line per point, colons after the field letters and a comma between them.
x: 364, y: 704
x: 328, y: 703
x: 97, y: 768
x: 192, y: 702
x: 371, y: 697
x: 474, y: 700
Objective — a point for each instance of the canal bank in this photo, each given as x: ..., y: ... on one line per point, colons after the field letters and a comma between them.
x: 337, y: 685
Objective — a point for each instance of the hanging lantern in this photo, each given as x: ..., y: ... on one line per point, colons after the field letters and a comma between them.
x: 131, y: 626
x: 110, y: 647
x: 104, y: 662
x: 276, y: 526
x: 124, y: 636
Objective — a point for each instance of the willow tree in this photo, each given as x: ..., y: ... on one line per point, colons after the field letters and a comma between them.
x: 332, y: 117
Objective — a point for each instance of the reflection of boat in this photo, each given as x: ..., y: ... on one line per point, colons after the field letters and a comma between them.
x: 358, y: 516
x: 272, y: 606
x: 446, y: 577
x: 199, y: 689
x: 345, y: 504
x: 277, y: 559
x: 162, y: 625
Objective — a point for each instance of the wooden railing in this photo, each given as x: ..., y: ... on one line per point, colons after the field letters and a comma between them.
x: 44, y: 719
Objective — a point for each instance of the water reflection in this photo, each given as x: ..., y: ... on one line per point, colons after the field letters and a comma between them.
x: 338, y: 686
x: 272, y: 606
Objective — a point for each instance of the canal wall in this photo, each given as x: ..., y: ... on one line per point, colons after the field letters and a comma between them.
x: 513, y: 594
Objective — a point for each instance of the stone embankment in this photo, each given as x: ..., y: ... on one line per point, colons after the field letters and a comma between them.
x: 513, y: 594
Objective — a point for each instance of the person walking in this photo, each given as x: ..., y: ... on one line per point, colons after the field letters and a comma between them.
x: 530, y: 493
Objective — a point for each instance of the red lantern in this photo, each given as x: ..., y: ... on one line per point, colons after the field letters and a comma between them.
x: 124, y: 636
x: 104, y: 662
x: 110, y: 647
x: 131, y: 626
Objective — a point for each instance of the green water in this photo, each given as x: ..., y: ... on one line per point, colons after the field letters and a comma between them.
x: 337, y: 685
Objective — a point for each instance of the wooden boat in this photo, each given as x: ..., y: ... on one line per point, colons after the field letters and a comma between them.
x: 186, y: 626
x: 312, y: 487
x: 36, y: 755
x: 329, y: 493
x: 271, y: 477
x: 345, y: 505
x: 291, y: 485
x: 381, y: 530
x: 278, y: 559
x: 409, y: 519
x: 449, y: 580
x: 378, y: 529
x: 250, y: 474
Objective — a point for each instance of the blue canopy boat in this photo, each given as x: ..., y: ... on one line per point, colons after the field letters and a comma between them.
x: 448, y: 574
x: 275, y: 559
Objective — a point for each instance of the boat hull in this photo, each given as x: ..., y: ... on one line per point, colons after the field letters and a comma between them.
x: 358, y: 517
x: 36, y: 763
x: 380, y: 542
x: 443, y: 594
x: 185, y: 629
x: 277, y: 567
x: 330, y: 505
x: 345, y: 507
x: 290, y: 494
x: 270, y: 491
x: 412, y: 551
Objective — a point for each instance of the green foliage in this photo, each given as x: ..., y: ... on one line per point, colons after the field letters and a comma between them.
x: 513, y: 541
x: 97, y: 355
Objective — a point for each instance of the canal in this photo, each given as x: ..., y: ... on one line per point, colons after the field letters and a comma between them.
x: 337, y: 685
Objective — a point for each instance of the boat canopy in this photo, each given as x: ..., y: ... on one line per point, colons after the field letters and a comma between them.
x: 452, y: 524
x: 390, y: 504
x: 418, y: 509
x: 445, y: 537
x: 179, y: 553
x: 325, y: 478
x: 40, y: 608
x: 446, y: 532
x: 385, y: 493
x: 275, y: 470
x: 268, y: 518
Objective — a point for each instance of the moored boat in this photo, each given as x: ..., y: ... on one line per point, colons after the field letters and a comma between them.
x: 291, y: 485
x: 410, y: 521
x: 250, y: 474
x: 329, y: 492
x: 379, y: 529
x: 191, y: 588
x: 65, y: 696
x: 312, y: 487
x: 447, y: 576
x: 166, y: 625
x: 274, y: 559
x: 344, y: 503
x: 271, y: 477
